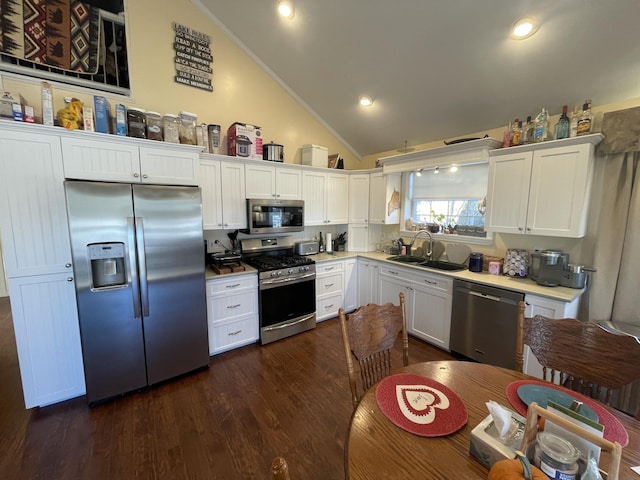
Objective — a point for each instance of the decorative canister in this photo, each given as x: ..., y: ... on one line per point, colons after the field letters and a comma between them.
x: 154, y: 126
x: 556, y: 457
x: 136, y: 123
x: 515, y: 262
x: 475, y: 262
x: 170, y: 127
x: 188, y: 128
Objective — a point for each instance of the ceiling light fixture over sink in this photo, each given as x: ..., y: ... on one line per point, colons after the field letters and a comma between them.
x: 285, y: 8
x: 524, y: 28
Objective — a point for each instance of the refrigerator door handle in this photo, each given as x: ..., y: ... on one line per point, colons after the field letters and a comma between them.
x: 142, y: 262
x: 133, y: 270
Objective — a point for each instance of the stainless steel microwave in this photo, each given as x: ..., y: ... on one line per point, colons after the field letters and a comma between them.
x: 274, y: 216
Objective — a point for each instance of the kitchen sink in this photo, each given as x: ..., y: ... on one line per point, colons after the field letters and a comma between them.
x: 423, y: 262
x: 411, y: 259
x: 440, y: 265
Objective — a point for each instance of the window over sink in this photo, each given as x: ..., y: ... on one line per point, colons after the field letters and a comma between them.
x: 448, y: 200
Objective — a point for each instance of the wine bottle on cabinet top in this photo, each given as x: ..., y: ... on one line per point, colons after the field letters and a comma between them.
x: 562, y: 127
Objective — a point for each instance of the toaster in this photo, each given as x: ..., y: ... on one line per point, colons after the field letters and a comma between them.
x: 309, y: 247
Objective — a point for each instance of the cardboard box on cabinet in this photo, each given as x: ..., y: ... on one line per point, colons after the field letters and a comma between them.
x: 315, y: 155
x: 244, y: 140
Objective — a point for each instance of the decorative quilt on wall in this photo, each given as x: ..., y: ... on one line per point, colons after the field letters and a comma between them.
x: 63, y: 34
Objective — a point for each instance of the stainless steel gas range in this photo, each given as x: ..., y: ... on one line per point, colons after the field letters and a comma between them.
x: 287, y: 287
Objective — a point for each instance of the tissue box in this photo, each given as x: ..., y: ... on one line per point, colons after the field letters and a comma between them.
x: 486, y: 446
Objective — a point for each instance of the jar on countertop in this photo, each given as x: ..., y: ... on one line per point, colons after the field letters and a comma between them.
x: 476, y: 262
x: 154, y: 125
x: 171, y: 128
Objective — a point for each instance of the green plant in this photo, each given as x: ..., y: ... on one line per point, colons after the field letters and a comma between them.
x: 439, y: 218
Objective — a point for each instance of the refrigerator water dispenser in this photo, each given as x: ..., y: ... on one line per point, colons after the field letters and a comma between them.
x: 107, y: 265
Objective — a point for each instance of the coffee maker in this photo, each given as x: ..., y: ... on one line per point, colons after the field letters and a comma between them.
x: 548, y: 267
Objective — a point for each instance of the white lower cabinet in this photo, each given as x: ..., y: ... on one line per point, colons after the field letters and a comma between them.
x: 232, y: 312
x: 368, y: 279
x: 350, y: 285
x: 427, y: 301
x: 47, y: 332
x: 550, y: 308
x: 329, y: 289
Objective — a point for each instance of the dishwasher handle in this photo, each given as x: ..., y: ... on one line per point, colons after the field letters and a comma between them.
x: 485, y: 295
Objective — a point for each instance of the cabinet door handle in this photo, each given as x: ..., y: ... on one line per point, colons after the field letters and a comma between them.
x: 232, y: 286
x: 328, y: 285
x: 520, y: 228
x: 233, y: 306
x: 136, y: 174
x: 68, y: 265
x: 393, y: 273
x: 528, y: 229
x: 430, y: 282
x: 234, y: 333
x: 328, y: 269
x: 70, y: 279
x: 144, y: 175
x: 328, y: 307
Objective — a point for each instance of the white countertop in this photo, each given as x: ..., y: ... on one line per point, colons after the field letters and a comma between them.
x: 524, y: 285
x: 210, y: 274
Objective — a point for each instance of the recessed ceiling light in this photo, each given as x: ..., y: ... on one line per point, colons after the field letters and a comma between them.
x: 524, y: 28
x: 365, y: 100
x: 285, y: 8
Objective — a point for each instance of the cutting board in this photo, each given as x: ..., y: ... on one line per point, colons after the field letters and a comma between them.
x: 458, y: 252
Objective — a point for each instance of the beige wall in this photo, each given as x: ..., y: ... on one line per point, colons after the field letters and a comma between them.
x: 243, y: 91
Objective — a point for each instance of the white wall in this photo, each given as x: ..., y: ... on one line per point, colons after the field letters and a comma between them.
x: 3, y: 280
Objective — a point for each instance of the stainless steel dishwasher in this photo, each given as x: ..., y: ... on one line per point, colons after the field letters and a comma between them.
x: 484, y: 323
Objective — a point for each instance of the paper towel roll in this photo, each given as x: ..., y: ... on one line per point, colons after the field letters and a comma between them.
x: 329, y: 243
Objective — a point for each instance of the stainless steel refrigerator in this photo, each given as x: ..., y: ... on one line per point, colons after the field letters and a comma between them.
x: 139, y: 273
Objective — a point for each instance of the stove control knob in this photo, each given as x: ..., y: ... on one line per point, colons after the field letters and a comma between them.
x: 290, y: 271
x: 274, y: 274
x: 279, y: 272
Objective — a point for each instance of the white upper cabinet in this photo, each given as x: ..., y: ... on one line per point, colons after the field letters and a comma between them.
x: 326, y: 197
x: 359, y: 198
x: 33, y: 212
x: 223, y: 194
x: 125, y: 160
x: 541, y: 189
x: 384, y: 198
x: 265, y: 180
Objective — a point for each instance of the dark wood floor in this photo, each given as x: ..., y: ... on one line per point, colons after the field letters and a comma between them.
x: 288, y: 398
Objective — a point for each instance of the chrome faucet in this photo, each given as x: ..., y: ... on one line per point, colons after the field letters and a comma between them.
x: 430, y: 252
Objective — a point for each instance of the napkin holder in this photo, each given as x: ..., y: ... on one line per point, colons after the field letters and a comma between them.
x: 485, y: 443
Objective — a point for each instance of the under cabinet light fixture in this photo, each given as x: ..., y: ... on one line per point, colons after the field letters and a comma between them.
x: 419, y: 173
x: 285, y: 8
x: 436, y: 170
x: 453, y: 168
x: 524, y: 28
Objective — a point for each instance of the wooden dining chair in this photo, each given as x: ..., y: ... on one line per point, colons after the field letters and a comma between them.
x: 579, y: 355
x: 279, y: 469
x: 369, y: 334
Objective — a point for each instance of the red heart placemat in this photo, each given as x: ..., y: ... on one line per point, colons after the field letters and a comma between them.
x: 420, y: 405
x: 614, y: 431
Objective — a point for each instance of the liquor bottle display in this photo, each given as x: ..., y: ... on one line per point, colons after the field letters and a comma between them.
x: 527, y: 132
x: 573, y: 124
x: 586, y: 119
x: 516, y: 133
x: 541, y: 132
x: 562, y: 127
x: 506, y: 138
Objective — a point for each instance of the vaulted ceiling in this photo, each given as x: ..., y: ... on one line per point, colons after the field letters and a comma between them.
x: 438, y: 69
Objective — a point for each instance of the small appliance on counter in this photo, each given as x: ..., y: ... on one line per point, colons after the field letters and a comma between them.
x: 273, y: 152
x: 575, y: 276
x: 548, y: 267
x: 308, y: 247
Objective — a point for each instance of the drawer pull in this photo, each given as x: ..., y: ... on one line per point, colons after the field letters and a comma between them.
x: 328, y: 269
x: 430, y: 282
x: 328, y: 285
x: 232, y: 286
x: 233, y: 306
x: 394, y: 273
x: 231, y: 334
x: 327, y: 307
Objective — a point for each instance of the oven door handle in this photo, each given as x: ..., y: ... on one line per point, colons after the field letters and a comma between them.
x: 290, y: 324
x: 287, y: 280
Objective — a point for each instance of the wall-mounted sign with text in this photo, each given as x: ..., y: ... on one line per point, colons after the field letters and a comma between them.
x: 193, y: 58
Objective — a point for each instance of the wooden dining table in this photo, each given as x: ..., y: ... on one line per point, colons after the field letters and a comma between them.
x: 378, y: 449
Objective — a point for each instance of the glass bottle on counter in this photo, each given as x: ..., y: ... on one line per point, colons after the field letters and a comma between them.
x: 516, y: 133
x: 541, y: 132
x: 527, y: 132
x: 586, y: 119
x: 562, y: 127
x: 320, y: 244
x: 573, y: 123
x: 506, y: 138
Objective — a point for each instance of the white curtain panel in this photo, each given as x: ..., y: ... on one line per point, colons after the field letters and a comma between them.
x: 615, y: 286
